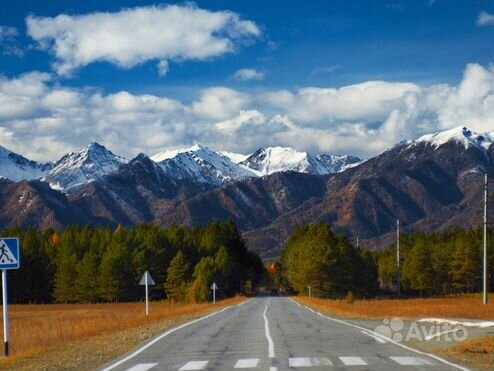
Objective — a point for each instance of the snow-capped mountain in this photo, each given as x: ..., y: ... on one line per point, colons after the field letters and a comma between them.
x: 77, y: 168
x: 16, y: 168
x: 271, y: 160
x: 460, y: 135
x: 201, y: 164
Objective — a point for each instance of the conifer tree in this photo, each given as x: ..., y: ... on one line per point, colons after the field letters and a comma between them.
x: 177, y: 281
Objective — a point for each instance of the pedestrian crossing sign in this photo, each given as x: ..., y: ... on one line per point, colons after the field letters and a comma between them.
x: 9, y: 253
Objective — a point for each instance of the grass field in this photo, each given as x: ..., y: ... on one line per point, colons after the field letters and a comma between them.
x: 35, y: 328
x: 450, y: 307
x: 476, y: 352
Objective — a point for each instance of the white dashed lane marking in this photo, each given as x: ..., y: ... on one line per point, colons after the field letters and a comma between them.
x: 194, y: 365
x: 142, y: 367
x: 247, y: 363
x: 411, y: 361
x: 353, y: 361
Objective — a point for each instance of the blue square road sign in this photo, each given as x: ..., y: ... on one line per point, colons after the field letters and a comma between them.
x: 10, y: 257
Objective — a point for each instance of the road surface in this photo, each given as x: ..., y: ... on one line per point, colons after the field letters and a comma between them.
x: 272, y: 334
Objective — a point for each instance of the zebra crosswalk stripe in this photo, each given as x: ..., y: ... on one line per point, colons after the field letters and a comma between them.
x: 194, y: 365
x: 411, y: 361
x: 353, y: 361
x: 142, y: 367
x: 247, y: 363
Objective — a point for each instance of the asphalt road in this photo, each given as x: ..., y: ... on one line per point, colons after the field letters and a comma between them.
x: 273, y: 334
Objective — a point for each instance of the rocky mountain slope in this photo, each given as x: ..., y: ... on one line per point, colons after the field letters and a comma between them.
x: 434, y: 182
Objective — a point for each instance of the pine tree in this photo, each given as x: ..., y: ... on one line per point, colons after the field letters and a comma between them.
x: 86, y: 284
x: 177, y: 281
x: 115, y: 279
x: 417, y: 268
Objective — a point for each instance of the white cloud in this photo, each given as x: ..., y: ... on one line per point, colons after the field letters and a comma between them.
x: 220, y: 103
x: 42, y: 120
x: 370, y: 101
x: 133, y: 36
x: 246, y: 74
x: 485, y: 19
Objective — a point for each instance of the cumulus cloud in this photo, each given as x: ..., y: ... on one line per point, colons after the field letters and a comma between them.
x: 134, y: 36
x: 42, y: 120
x: 246, y: 74
x: 485, y: 19
x: 220, y: 103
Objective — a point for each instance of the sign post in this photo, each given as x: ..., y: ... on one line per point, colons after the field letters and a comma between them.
x: 147, y: 280
x: 214, y: 287
x: 9, y: 259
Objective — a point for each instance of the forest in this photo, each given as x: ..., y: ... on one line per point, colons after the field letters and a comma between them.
x: 97, y: 264
x: 441, y: 263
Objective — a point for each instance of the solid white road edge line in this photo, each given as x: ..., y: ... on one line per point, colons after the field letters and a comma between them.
x: 244, y: 302
x: 379, y: 340
x: 266, y: 331
x: 439, y: 334
x: 390, y: 340
x: 155, y: 340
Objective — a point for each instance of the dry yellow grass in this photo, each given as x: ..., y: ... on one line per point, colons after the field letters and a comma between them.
x: 35, y: 328
x: 451, y: 307
x: 478, y: 352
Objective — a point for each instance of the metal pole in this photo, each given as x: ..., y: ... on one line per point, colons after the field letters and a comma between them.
x: 147, y: 294
x: 5, y: 313
x: 398, y: 283
x: 214, y: 295
x: 310, y: 293
x: 485, y: 298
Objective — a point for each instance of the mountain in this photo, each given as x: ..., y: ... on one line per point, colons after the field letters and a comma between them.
x: 78, y: 168
x: 16, y: 168
x: 432, y: 183
x: 266, y: 161
x: 201, y: 164
x: 33, y: 204
x: 138, y: 192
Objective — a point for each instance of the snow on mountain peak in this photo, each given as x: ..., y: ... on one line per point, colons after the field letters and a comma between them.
x: 77, y: 168
x: 459, y: 134
x: 16, y: 167
x: 200, y: 164
x: 270, y: 160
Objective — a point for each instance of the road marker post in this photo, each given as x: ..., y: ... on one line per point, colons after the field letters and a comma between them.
x: 9, y: 259
x: 147, y: 280
x: 214, y: 287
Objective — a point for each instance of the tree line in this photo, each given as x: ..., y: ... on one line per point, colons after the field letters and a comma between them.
x: 441, y: 263
x: 86, y: 264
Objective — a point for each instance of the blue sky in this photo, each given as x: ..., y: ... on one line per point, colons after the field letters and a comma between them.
x: 286, y: 47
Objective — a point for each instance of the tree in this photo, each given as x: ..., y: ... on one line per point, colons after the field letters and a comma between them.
x: 465, y: 272
x: 86, y: 284
x: 417, y: 268
x: 177, y: 281
x: 115, y: 278
x: 204, y: 276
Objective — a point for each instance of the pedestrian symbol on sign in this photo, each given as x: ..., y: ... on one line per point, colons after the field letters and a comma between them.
x: 6, y: 256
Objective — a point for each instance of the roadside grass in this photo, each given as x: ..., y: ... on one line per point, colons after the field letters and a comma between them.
x: 36, y: 328
x: 468, y: 306
x: 477, y: 352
